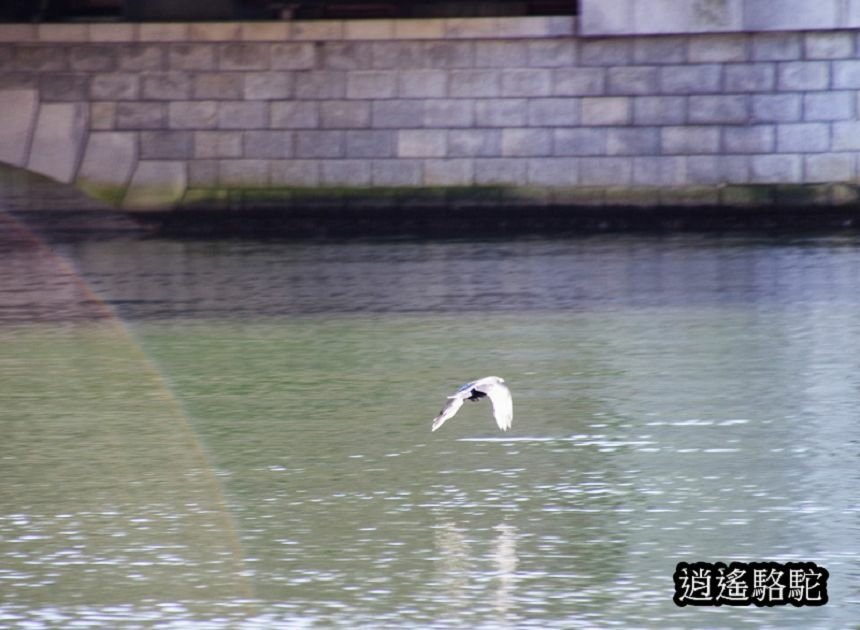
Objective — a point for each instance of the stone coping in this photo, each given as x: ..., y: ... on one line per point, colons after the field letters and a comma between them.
x: 599, y: 18
x: 318, y: 30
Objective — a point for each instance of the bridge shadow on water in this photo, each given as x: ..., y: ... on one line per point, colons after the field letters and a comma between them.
x: 100, y: 465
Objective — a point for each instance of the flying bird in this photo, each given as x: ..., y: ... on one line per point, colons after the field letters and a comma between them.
x: 491, y: 387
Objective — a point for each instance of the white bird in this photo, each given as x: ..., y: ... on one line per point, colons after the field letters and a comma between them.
x: 491, y: 387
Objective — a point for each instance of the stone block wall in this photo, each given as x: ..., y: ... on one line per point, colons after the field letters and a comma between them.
x: 151, y: 116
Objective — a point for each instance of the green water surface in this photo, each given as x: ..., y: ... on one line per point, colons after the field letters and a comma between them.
x: 179, y: 458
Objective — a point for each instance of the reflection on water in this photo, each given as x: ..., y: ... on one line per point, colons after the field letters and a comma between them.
x: 173, y: 279
x: 236, y: 434
x: 457, y: 576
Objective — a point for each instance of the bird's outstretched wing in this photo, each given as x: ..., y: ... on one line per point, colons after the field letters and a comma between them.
x: 503, y: 404
x: 491, y: 387
x: 450, y: 409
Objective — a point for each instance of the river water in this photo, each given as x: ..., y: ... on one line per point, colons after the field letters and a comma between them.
x: 236, y: 433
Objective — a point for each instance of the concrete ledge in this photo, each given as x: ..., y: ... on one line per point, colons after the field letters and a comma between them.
x: 601, y: 18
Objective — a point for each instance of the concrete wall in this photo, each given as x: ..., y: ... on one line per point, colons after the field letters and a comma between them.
x: 152, y: 116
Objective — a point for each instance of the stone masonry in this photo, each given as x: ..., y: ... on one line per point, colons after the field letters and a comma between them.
x: 155, y: 116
